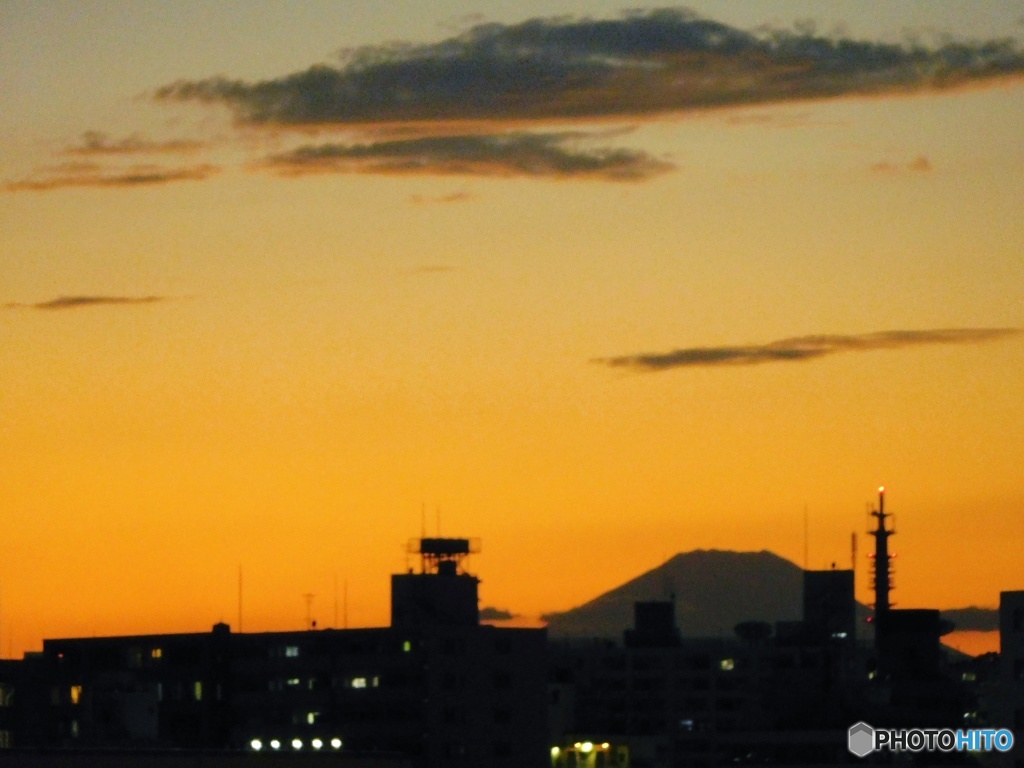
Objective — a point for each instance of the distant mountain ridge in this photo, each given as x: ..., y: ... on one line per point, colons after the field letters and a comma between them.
x: 713, y: 590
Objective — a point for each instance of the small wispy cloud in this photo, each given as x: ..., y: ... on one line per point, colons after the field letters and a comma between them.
x: 640, y: 64
x: 453, y: 197
x: 90, y: 175
x: 490, y: 613
x: 548, y: 155
x: 801, y: 348
x: 98, y: 143
x: 79, y: 302
x: 919, y: 164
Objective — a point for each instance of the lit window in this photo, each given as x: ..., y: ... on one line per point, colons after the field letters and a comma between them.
x: 156, y: 653
x: 727, y: 665
x: 197, y: 690
x: 74, y: 729
x: 75, y: 694
x: 294, y: 681
x: 376, y: 682
x: 291, y: 651
x: 311, y: 717
x: 358, y: 682
x: 407, y: 646
x: 968, y: 677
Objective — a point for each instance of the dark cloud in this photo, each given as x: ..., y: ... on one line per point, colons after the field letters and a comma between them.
x: 98, y: 143
x: 89, y: 175
x: 802, y: 348
x: 973, y: 619
x: 78, y: 302
x: 510, y: 154
x: 639, y: 64
x: 495, y: 614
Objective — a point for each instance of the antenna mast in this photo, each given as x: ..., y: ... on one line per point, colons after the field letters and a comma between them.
x: 239, y: 598
x: 806, y: 538
x: 310, y: 624
x: 883, y: 561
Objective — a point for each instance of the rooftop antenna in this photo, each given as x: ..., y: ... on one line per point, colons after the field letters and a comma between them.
x: 806, y: 538
x: 335, y: 599
x: 853, y: 551
x: 443, y: 556
x: 239, y: 598
x: 310, y: 624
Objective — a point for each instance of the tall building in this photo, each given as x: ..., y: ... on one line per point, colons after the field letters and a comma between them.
x: 1010, y: 708
x: 829, y: 605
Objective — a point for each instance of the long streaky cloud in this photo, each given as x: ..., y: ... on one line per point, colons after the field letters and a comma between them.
x: 801, y: 348
x: 79, y: 302
x: 99, y: 143
x: 641, y: 64
x: 503, y: 155
x: 89, y: 176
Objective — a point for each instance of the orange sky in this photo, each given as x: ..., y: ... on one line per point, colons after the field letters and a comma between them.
x: 279, y: 373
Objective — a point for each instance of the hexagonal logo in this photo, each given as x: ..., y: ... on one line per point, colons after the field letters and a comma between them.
x: 861, y: 739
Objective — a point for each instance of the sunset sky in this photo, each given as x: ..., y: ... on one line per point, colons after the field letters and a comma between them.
x: 280, y: 281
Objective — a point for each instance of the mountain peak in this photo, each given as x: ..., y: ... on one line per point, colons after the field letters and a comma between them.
x: 713, y: 590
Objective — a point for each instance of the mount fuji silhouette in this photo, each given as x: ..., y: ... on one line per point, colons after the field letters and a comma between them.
x: 713, y: 591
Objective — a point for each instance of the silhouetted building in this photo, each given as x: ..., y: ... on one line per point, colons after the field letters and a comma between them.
x: 666, y: 701
x: 654, y: 625
x: 9, y: 683
x: 829, y: 606
x: 442, y: 593
x: 437, y: 687
x: 1009, y: 699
